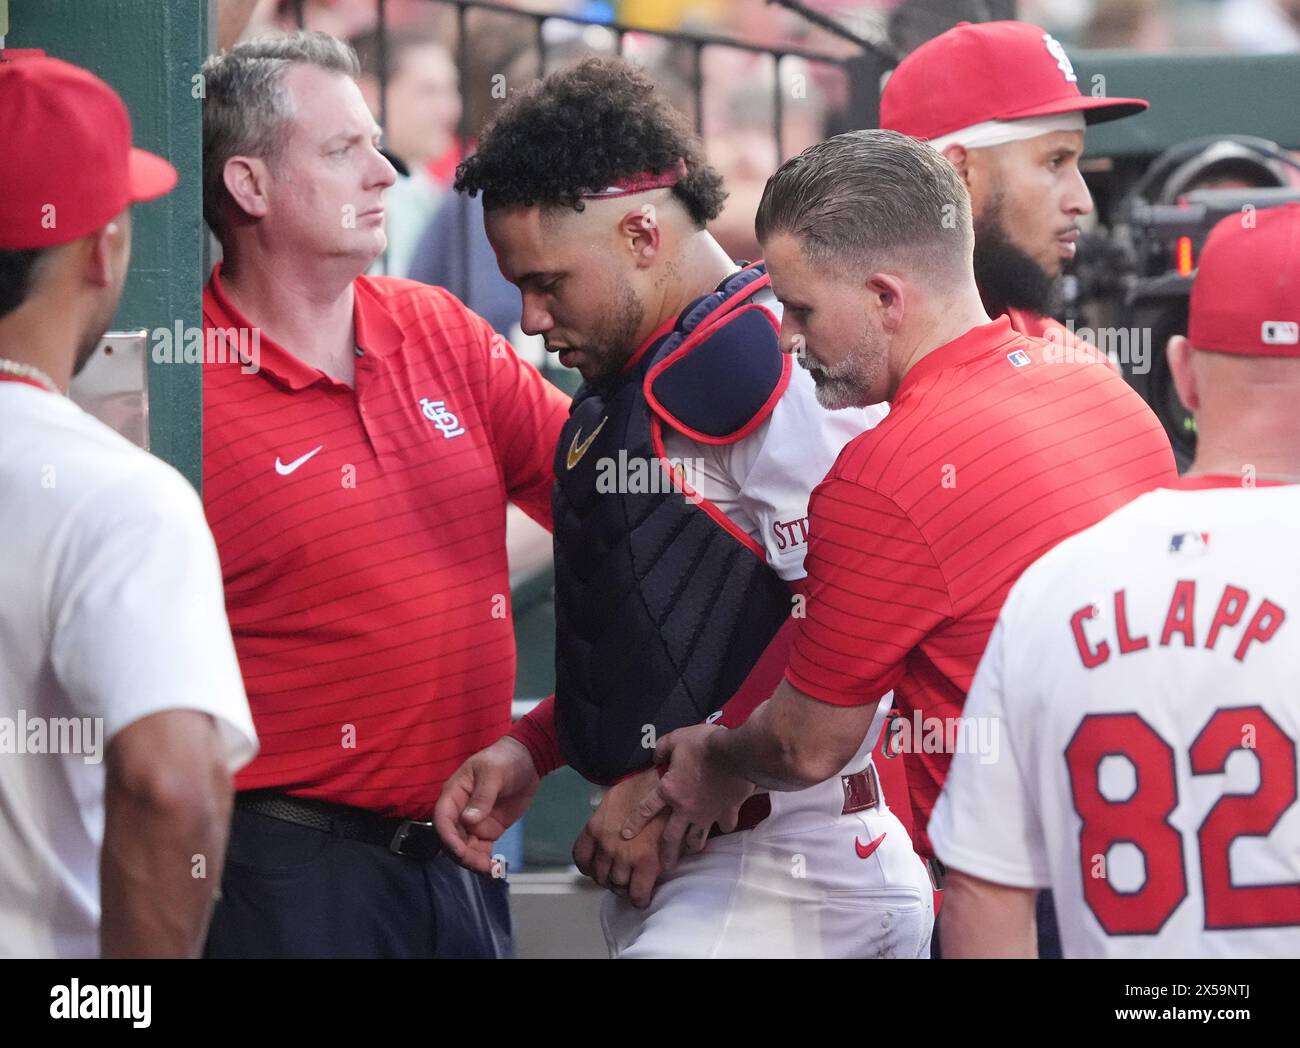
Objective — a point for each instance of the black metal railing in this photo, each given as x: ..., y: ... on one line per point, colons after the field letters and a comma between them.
x: 864, y: 71
x: 697, y: 42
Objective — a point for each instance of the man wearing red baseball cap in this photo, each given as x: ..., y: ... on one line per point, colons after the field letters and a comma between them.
x: 1132, y: 664
x: 1001, y: 101
x: 113, y: 636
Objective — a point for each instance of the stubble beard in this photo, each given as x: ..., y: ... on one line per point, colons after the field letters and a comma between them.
x: 99, y: 327
x: 612, y: 346
x: 848, y: 383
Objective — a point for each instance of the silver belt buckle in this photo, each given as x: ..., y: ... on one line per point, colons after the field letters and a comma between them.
x: 404, y: 831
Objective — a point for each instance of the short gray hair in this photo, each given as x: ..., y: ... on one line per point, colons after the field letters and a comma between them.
x: 866, y: 196
x: 246, y: 107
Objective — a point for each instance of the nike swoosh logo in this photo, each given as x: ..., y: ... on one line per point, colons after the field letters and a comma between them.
x: 284, y: 470
x: 576, y: 450
x: 865, y: 850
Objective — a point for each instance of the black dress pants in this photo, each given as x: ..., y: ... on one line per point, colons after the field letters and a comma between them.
x: 290, y: 891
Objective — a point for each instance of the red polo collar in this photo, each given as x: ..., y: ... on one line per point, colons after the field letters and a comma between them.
x: 979, y: 342
x: 376, y: 330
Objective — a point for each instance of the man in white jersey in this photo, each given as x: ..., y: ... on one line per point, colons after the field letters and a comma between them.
x: 1143, y: 674
x: 596, y: 200
x: 122, y: 712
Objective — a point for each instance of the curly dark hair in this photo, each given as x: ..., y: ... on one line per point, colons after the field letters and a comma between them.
x: 578, y: 131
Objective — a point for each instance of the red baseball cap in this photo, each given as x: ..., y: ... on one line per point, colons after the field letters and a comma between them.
x: 70, y: 167
x: 989, y: 71
x: 1246, y: 295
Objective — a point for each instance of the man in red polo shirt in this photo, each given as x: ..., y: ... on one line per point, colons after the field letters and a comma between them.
x: 362, y: 438
x: 989, y: 456
x: 1001, y: 101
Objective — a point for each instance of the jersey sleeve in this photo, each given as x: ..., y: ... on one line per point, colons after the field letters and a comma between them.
x: 985, y: 822
x: 137, y: 615
x: 780, y: 464
x: 762, y: 680
x: 527, y: 414
x: 763, y: 481
x: 875, y: 592
x: 536, y: 731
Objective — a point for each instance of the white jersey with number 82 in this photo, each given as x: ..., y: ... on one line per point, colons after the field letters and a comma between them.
x: 1144, y: 677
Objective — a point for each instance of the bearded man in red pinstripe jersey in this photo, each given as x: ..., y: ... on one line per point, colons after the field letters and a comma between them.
x: 357, y: 467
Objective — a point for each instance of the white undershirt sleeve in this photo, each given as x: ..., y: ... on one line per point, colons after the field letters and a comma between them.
x: 763, y: 481
x: 137, y: 613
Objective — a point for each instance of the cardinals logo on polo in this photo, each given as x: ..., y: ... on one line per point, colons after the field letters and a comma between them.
x: 436, y: 412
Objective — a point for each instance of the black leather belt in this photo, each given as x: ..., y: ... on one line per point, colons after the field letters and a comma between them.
x: 410, y: 837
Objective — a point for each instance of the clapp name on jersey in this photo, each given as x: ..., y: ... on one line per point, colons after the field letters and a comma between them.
x: 1179, y: 621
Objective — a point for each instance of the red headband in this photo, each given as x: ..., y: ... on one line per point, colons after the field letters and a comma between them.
x: 639, y: 183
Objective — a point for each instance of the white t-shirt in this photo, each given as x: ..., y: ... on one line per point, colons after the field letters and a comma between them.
x: 1142, y: 677
x: 111, y: 610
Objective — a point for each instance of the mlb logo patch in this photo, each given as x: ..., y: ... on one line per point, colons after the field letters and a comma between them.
x: 1279, y: 333
x: 1019, y: 358
x: 1190, y: 543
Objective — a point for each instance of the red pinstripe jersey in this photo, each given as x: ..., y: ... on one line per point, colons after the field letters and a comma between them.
x: 362, y: 540
x: 989, y: 456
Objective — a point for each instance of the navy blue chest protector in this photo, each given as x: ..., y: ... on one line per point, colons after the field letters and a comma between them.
x: 662, y: 606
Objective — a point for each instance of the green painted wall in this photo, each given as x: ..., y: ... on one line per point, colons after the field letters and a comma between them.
x: 149, y: 50
x: 1191, y: 94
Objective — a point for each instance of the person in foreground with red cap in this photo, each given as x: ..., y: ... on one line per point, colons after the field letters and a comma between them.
x: 122, y: 714
x: 1144, y: 674
x: 1001, y: 101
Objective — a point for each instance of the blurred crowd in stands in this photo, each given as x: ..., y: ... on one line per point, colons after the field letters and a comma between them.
x: 1241, y: 25
x: 439, y: 93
